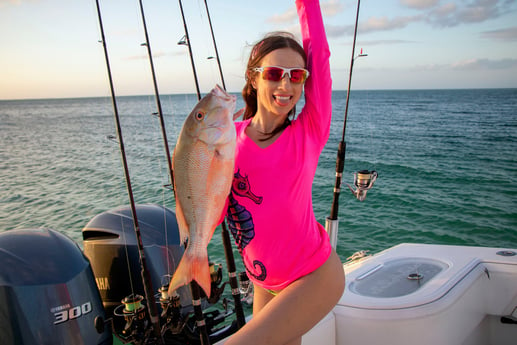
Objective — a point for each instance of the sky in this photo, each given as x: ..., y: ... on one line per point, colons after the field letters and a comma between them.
x: 51, y: 49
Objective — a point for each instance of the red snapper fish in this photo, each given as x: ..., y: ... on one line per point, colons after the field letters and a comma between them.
x: 203, y: 164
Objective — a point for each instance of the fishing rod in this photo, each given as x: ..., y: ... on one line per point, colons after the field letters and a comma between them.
x: 230, y: 260
x: 157, y: 98
x: 146, y: 276
x: 364, y: 179
x: 186, y: 42
x: 194, y: 287
x: 215, y: 46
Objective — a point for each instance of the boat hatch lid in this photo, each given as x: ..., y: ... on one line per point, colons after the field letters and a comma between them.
x: 397, y: 278
x: 410, y: 275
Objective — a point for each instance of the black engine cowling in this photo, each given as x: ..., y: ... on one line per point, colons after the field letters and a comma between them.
x: 48, y: 293
x: 110, y: 244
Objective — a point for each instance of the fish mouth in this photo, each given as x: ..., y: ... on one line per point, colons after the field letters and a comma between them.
x: 218, y: 91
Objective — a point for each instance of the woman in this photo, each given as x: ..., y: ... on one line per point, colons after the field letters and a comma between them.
x: 298, y: 277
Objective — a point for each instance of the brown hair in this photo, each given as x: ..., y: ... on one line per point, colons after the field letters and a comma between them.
x: 271, y: 42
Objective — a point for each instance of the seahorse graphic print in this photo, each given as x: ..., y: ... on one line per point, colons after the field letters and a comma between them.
x: 240, y: 221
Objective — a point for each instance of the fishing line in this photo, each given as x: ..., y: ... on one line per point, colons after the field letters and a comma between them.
x: 331, y: 223
x: 363, y: 179
x: 230, y: 260
x: 366, y: 153
x: 186, y: 42
x: 213, y: 42
x: 215, y: 46
x: 157, y: 96
x: 371, y: 129
x: 226, y: 240
x: 169, y: 257
x: 194, y: 287
x: 165, y: 179
x: 131, y: 284
x: 122, y: 225
x: 118, y: 180
x: 146, y: 277
x: 159, y: 115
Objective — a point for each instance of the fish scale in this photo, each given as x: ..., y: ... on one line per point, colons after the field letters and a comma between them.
x: 203, y: 162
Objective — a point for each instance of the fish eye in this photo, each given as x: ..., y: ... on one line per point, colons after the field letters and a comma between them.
x: 200, y: 116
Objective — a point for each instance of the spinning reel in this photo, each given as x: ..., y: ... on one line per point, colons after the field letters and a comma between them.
x: 363, y: 181
x: 178, y: 324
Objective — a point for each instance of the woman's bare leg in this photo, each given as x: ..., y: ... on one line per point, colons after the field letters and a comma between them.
x: 261, y: 297
x: 285, y: 318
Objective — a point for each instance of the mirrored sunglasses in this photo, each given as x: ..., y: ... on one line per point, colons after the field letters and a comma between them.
x: 274, y: 73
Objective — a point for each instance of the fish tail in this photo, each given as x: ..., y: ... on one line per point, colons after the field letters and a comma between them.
x: 193, y: 266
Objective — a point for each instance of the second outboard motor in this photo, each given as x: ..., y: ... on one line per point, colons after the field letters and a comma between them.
x: 48, y: 294
x: 110, y: 244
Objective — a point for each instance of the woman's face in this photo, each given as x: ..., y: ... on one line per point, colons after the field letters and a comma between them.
x: 278, y: 97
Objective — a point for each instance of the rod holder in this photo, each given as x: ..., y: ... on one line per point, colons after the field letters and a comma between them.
x: 331, y: 226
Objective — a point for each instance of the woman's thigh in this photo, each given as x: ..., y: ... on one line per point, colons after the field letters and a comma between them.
x: 261, y: 297
x: 284, y: 318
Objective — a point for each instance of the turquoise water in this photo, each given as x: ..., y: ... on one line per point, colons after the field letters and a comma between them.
x: 446, y: 159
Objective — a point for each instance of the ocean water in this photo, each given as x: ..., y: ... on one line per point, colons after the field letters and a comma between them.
x: 446, y: 160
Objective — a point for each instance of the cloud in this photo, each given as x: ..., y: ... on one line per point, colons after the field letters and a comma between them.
x: 339, y: 30
x: 419, y: 4
x: 508, y: 34
x: 385, y: 24
x: 473, y: 11
x: 449, y: 14
x: 484, y: 64
x: 331, y: 8
x: 287, y: 17
x: 478, y: 13
x: 444, y: 10
x: 156, y: 55
x: 328, y: 8
x: 373, y: 24
x: 470, y: 65
x: 370, y: 43
x: 6, y: 3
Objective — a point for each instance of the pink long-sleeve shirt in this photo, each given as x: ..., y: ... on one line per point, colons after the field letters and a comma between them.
x: 270, y: 209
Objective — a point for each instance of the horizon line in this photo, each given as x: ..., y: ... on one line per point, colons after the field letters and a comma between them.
x: 238, y: 92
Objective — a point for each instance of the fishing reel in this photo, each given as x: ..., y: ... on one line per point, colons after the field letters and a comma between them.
x: 171, y: 311
x: 363, y: 181
x: 216, y: 277
x: 245, y: 288
x: 135, y: 315
x: 177, y: 321
x: 173, y: 314
x: 179, y: 324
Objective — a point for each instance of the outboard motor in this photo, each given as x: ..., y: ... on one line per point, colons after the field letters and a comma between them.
x: 48, y: 293
x: 110, y: 244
